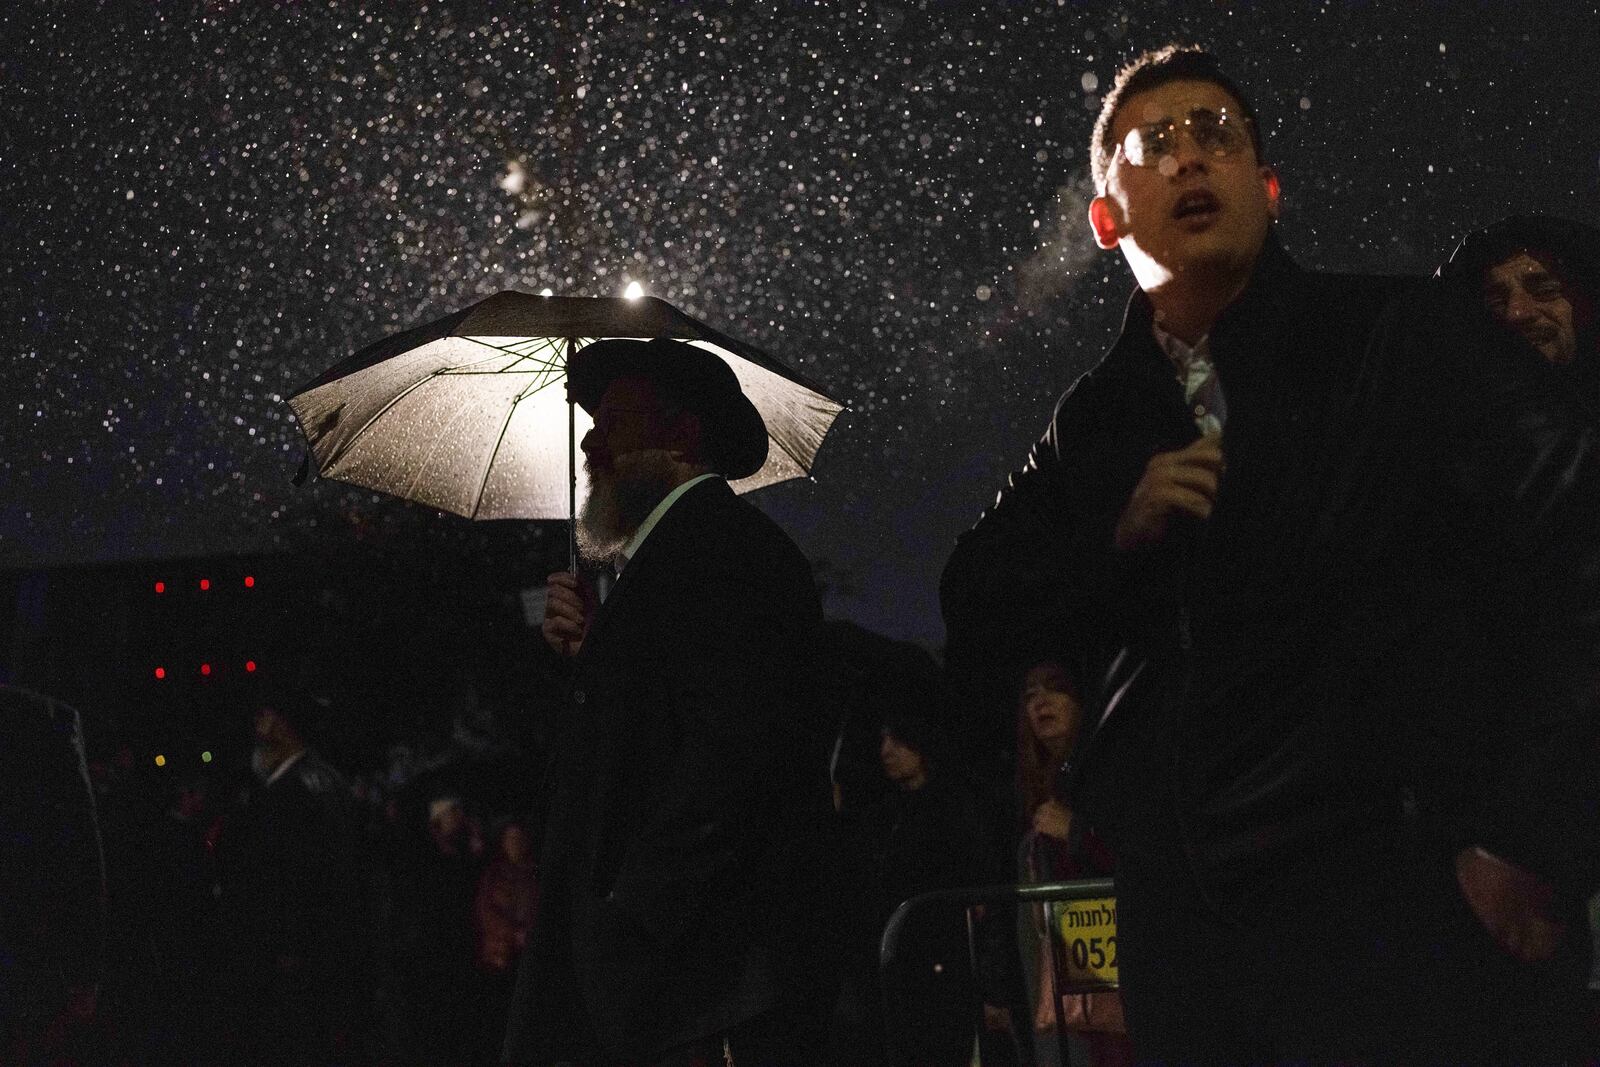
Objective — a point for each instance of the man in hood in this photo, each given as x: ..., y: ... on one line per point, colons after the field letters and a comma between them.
x: 1538, y: 278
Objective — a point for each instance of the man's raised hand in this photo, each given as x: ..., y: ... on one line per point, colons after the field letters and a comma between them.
x: 1183, y: 482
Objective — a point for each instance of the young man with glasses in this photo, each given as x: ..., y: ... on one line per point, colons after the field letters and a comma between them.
x: 1337, y: 568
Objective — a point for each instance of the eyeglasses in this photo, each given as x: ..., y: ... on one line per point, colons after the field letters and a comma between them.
x: 1215, y: 133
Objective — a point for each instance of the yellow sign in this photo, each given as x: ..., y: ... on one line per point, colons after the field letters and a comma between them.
x: 1088, y: 931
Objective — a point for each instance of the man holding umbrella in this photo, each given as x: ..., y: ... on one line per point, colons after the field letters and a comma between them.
x: 690, y: 788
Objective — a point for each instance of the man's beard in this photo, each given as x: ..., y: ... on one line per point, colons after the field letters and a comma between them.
x: 621, y: 498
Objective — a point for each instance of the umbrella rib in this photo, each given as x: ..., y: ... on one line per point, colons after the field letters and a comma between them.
x: 509, y: 351
x: 340, y: 453
x: 477, y: 500
x: 433, y: 448
x: 547, y: 383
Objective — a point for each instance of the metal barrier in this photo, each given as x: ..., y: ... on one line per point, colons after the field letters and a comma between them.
x: 1062, y: 956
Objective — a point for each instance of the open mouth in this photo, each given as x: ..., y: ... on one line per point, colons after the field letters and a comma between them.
x: 1539, y: 334
x: 1196, y: 204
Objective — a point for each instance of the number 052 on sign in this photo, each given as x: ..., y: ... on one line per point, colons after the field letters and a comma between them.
x: 1088, y: 932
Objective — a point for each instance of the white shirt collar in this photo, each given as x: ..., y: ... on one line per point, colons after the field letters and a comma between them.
x: 631, y: 549
x: 1179, y: 352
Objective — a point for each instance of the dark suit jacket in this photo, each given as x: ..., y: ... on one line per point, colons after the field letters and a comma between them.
x: 690, y: 789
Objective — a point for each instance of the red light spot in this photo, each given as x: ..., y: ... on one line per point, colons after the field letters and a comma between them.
x: 249, y: 582
x: 250, y: 665
x: 205, y: 668
x: 161, y: 672
x: 161, y: 587
x: 205, y: 583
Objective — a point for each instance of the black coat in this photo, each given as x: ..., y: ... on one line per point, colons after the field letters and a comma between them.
x: 293, y: 882
x: 690, y: 786
x: 1397, y: 594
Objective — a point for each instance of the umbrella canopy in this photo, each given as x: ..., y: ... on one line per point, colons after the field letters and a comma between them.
x: 469, y: 413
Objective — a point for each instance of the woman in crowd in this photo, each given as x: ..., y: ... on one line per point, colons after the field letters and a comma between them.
x: 1050, y: 713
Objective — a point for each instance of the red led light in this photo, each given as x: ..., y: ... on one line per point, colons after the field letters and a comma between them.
x: 205, y: 583
x: 250, y: 665
x: 249, y: 582
x: 161, y: 672
x: 205, y: 668
x: 161, y: 587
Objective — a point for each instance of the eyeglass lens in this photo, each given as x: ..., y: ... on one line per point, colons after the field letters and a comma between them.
x: 1215, y: 133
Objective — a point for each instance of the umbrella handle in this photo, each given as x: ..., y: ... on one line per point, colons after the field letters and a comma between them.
x: 572, y: 473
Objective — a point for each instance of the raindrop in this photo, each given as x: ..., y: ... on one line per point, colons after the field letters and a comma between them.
x: 1090, y: 81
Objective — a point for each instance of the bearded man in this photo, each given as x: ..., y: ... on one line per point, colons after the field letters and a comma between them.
x: 691, y: 773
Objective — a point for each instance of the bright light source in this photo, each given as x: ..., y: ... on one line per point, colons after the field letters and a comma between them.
x: 161, y: 672
x: 547, y: 291
x: 205, y: 583
x: 205, y: 668
x: 161, y: 587
x: 249, y: 582
x: 161, y: 761
x: 250, y: 665
x: 205, y: 757
x: 634, y: 291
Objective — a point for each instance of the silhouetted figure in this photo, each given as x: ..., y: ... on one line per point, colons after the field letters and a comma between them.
x: 436, y: 945
x: 295, y: 912
x: 927, y: 833
x: 677, y: 918
x: 52, y: 882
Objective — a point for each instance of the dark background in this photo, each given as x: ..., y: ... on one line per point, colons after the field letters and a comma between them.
x: 207, y: 203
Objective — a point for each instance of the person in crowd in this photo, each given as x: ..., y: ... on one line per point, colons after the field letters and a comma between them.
x: 175, y: 914
x: 508, y: 895
x: 507, y: 900
x: 677, y: 919
x: 52, y: 883
x: 435, y: 891
x: 1539, y: 278
x: 870, y: 677
x: 927, y: 833
x: 1055, y: 848
x: 1334, y: 566
x: 294, y: 910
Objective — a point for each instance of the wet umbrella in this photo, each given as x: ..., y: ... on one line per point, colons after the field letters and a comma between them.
x: 469, y: 413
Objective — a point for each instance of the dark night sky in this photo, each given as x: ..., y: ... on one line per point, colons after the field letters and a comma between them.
x: 207, y: 203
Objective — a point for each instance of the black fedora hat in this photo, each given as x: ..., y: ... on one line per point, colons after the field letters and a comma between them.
x: 698, y: 379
